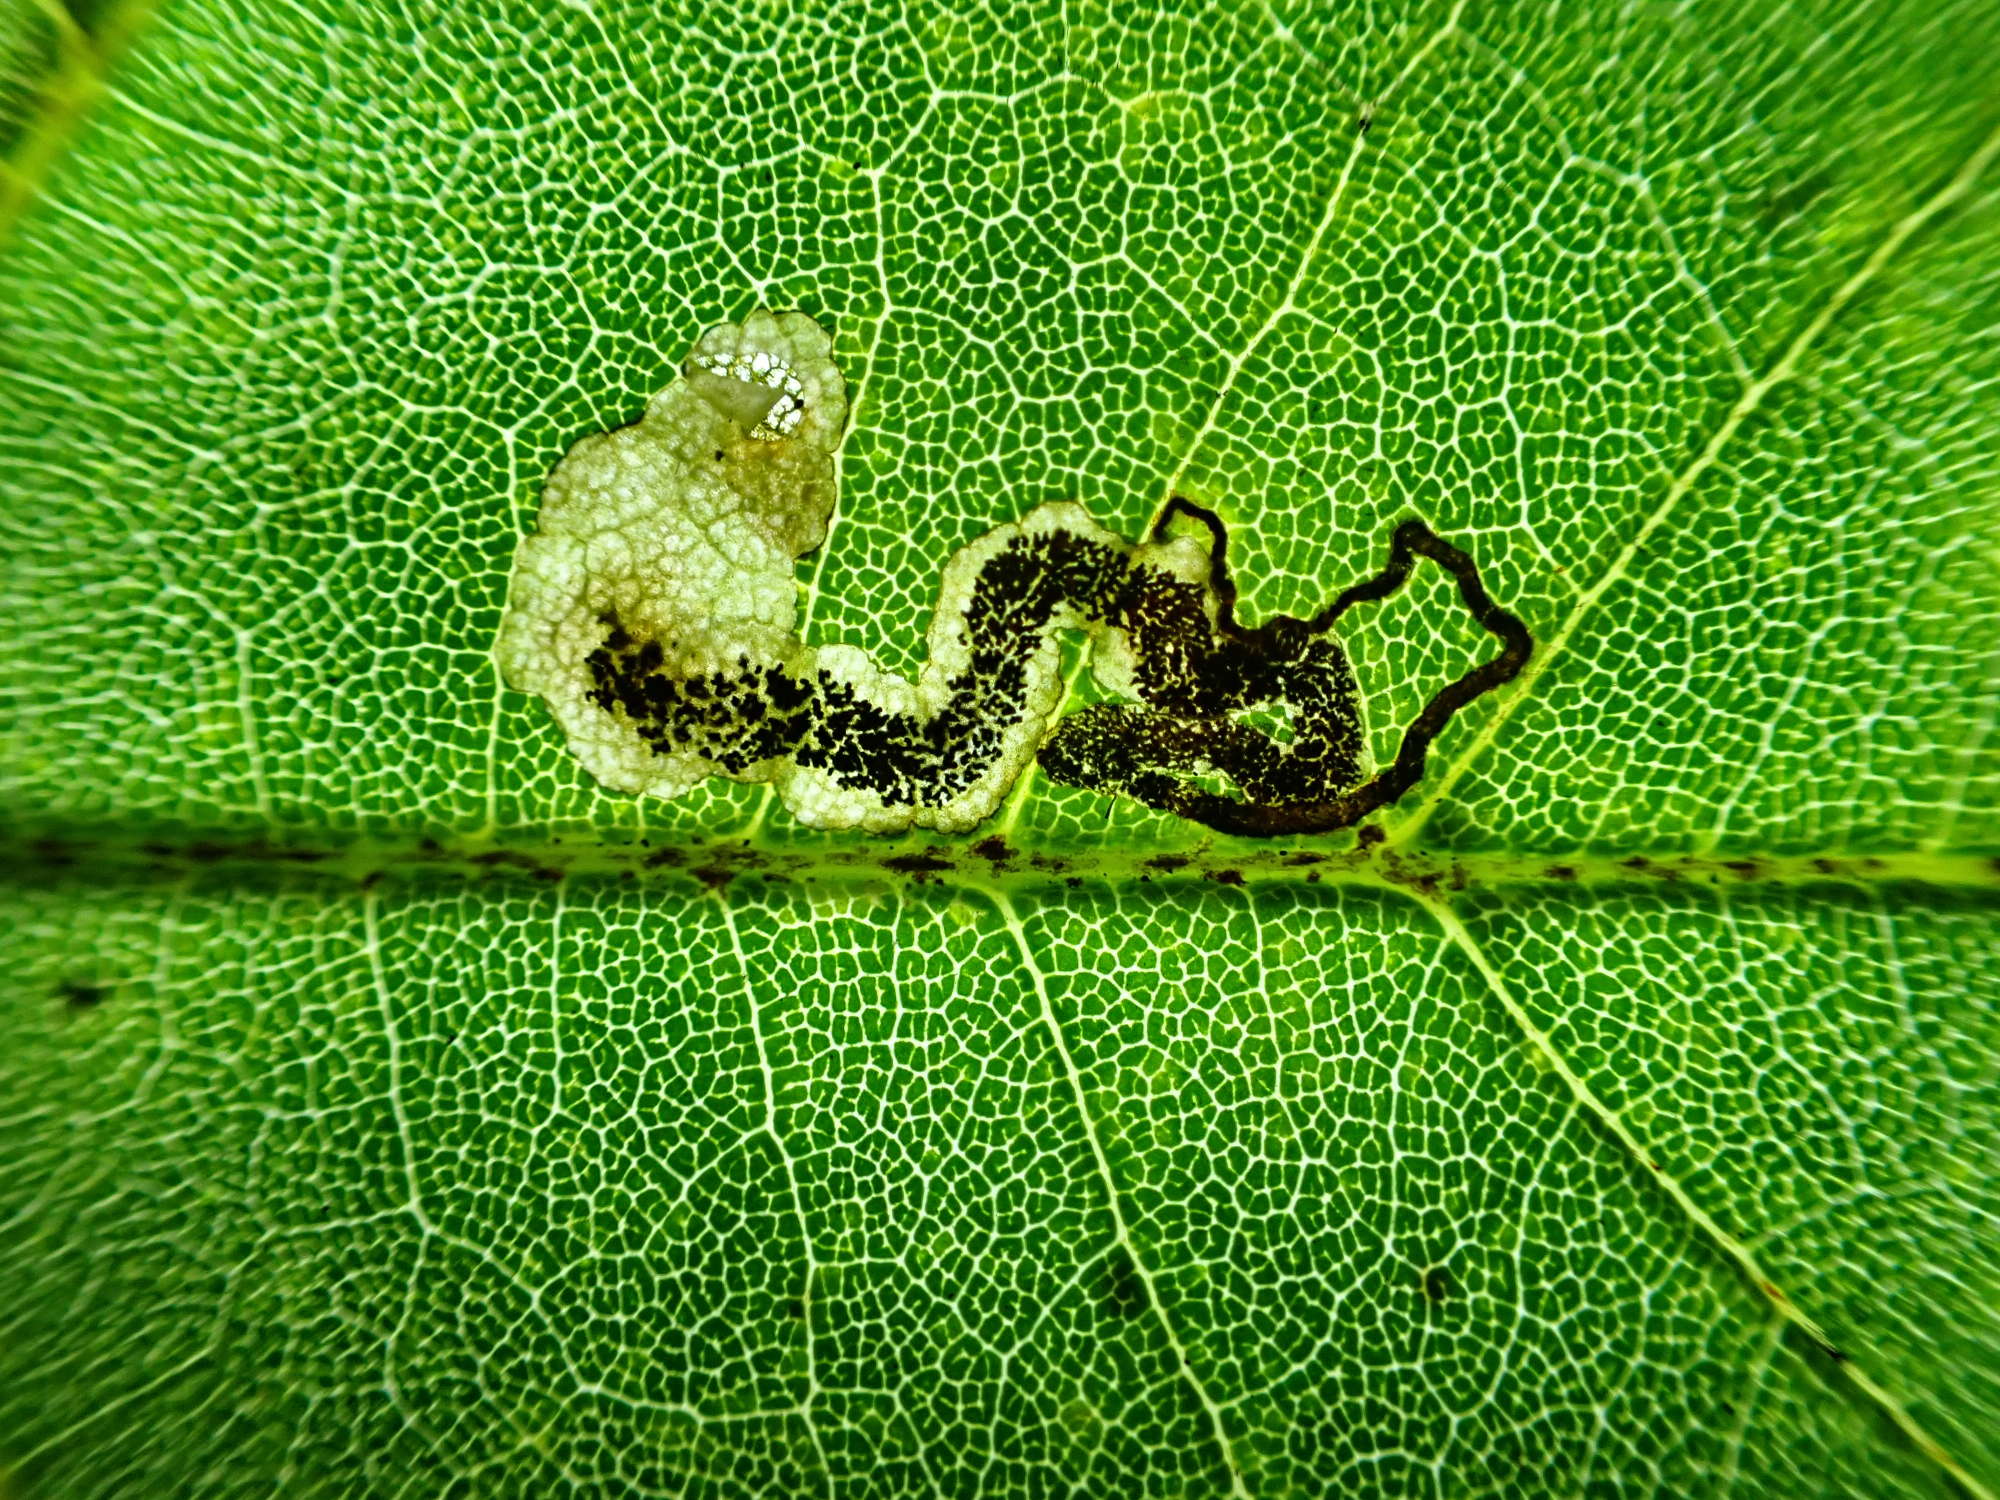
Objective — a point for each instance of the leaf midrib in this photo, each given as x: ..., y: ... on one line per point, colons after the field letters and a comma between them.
x: 989, y: 862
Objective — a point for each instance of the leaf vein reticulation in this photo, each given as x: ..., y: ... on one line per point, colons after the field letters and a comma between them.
x: 1696, y: 1031
x: 1731, y: 1247
x: 776, y: 1136
x: 1430, y: 882
x: 1550, y: 648
x: 1287, y: 301
x: 1121, y: 1232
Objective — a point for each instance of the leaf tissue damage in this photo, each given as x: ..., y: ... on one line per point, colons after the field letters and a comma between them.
x: 654, y: 610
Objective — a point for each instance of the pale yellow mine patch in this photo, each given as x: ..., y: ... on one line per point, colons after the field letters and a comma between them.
x: 649, y: 526
x: 685, y: 528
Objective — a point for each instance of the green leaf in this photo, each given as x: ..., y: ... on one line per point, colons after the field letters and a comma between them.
x: 390, y: 1109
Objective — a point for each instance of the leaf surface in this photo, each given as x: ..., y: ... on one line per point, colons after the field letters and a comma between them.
x: 1625, y: 1124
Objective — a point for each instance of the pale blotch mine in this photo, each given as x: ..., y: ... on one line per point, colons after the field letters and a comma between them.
x: 685, y: 528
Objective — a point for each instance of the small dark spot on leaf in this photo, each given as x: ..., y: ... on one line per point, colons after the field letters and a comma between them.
x: 1369, y: 835
x: 918, y: 862
x: 718, y: 455
x: 1825, y: 866
x: 1561, y: 872
x: 515, y: 859
x: 795, y: 1307
x: 1743, y: 869
x: 79, y: 995
x: 1169, y: 862
x: 994, y: 849
x: 258, y: 849
x: 54, y: 853
x: 1791, y: 199
x: 1226, y: 877
x: 666, y: 854
x: 1438, y: 1284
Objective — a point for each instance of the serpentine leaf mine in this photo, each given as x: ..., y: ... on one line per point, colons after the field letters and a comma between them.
x: 654, y: 609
